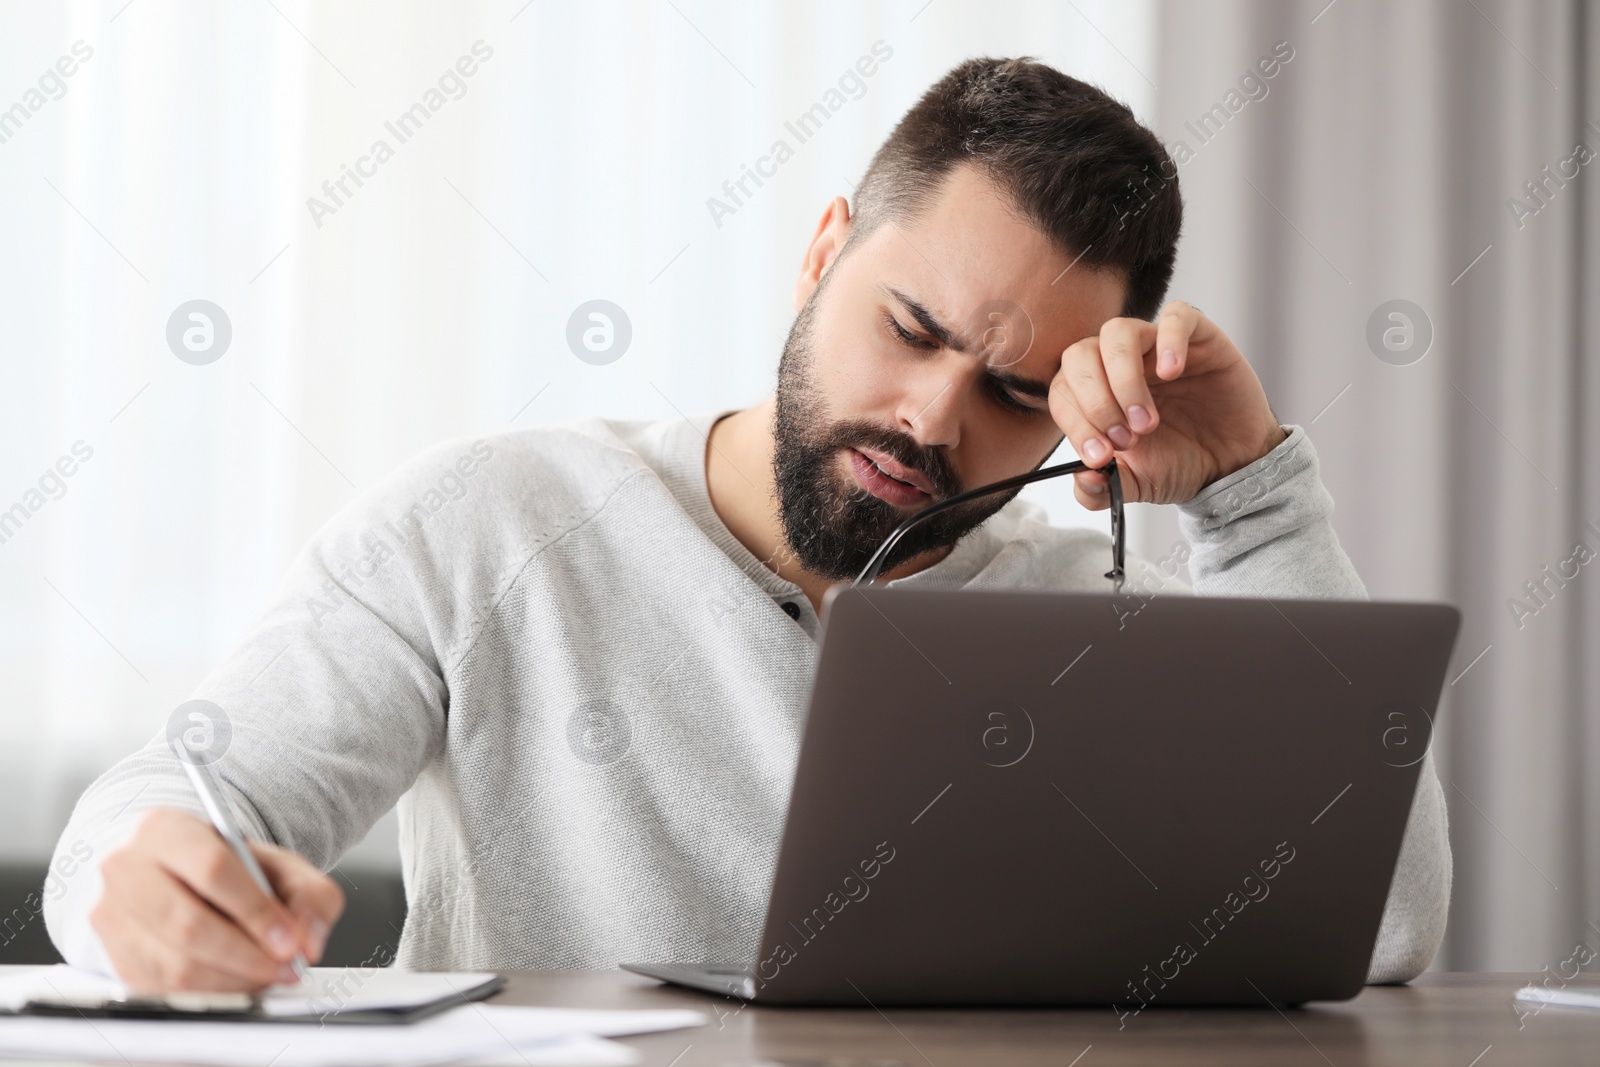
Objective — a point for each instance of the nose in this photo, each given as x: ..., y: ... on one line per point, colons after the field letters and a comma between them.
x: 930, y: 406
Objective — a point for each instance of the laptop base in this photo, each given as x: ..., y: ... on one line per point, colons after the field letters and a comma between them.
x: 725, y: 979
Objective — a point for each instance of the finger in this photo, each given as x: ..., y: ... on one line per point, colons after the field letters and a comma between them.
x: 183, y: 931
x: 142, y: 961
x: 167, y: 970
x: 1083, y: 406
x: 158, y: 904
x: 197, y: 856
x: 1090, y: 489
x: 1123, y: 344
x: 1180, y: 325
x: 315, y: 900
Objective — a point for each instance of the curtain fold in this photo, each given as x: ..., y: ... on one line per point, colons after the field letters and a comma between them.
x: 1437, y: 153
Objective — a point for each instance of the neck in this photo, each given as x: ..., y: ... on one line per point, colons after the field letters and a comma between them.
x: 743, y: 490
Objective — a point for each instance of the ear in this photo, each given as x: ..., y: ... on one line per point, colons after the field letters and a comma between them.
x: 832, y: 232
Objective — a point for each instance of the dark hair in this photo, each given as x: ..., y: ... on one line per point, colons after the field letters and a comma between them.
x: 1071, y: 160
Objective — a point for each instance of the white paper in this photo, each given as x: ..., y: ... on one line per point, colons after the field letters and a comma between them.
x: 473, y: 1033
x: 335, y: 989
x: 487, y: 1035
x: 571, y: 1051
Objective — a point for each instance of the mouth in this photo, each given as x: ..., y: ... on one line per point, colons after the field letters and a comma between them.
x: 888, y: 480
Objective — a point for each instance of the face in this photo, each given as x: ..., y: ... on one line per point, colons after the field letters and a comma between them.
x: 919, y: 367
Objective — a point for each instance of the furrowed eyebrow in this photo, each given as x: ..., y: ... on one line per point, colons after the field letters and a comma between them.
x: 941, y: 333
x: 936, y: 329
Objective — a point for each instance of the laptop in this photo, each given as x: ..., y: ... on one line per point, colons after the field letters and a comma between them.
x: 1028, y: 798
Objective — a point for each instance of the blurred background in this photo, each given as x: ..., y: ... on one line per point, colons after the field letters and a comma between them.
x: 1398, y: 227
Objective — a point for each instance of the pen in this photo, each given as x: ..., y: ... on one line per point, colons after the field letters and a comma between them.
x: 211, y: 798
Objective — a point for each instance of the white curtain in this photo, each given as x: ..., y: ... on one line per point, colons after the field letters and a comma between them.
x: 564, y: 153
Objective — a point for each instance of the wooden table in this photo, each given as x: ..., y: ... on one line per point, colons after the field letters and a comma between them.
x: 1447, y: 1019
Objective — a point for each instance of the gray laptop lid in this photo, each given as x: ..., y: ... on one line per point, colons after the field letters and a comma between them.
x: 1042, y: 798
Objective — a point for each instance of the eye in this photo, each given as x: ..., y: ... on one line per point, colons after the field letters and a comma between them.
x: 901, y: 334
x: 1008, y: 400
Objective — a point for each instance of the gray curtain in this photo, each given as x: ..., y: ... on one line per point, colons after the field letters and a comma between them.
x: 1428, y: 151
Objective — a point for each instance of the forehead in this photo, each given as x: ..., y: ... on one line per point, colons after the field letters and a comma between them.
x: 968, y: 250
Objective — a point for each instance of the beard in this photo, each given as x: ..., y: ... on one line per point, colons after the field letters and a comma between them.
x: 833, y: 525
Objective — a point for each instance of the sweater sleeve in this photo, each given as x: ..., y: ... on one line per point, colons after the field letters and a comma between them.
x: 324, y: 713
x: 1264, y: 531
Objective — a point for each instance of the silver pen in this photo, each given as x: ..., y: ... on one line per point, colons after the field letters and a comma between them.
x: 210, y: 795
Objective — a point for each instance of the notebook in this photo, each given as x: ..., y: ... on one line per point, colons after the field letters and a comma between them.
x: 333, y: 995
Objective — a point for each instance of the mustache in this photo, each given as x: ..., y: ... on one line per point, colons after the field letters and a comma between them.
x: 932, y: 464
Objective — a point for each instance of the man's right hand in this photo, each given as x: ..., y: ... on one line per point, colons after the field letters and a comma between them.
x: 180, y: 912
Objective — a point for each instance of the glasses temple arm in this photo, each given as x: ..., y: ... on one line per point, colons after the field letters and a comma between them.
x: 875, y: 564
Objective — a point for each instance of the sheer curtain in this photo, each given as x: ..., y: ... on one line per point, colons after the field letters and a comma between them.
x: 379, y: 300
x: 1435, y: 153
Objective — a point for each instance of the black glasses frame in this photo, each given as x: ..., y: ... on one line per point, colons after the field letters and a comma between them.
x: 1118, y: 526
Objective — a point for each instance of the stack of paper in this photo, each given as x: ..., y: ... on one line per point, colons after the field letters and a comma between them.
x: 479, y: 1034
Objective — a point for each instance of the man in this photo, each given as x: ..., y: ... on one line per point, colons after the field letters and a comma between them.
x: 577, y: 657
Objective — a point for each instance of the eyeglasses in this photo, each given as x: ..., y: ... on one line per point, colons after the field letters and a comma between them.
x: 1116, y: 573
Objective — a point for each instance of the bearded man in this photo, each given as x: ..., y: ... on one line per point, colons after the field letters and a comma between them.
x: 578, y: 657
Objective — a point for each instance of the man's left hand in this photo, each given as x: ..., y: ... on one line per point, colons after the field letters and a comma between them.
x: 1174, y: 400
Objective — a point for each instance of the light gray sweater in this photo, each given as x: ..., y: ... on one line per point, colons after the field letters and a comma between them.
x: 586, y: 696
